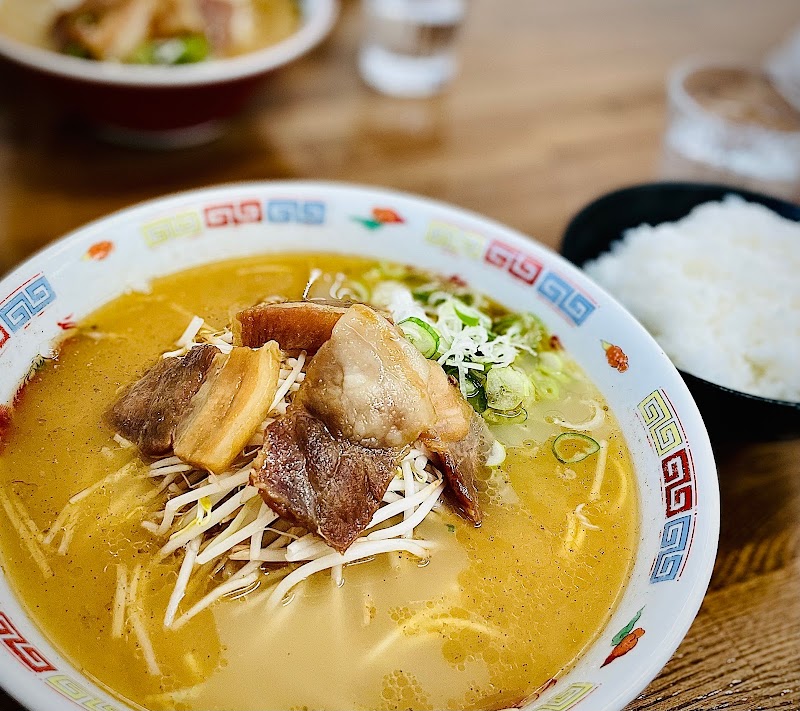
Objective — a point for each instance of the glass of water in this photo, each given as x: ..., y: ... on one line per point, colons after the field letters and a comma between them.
x: 409, y: 46
x: 728, y: 122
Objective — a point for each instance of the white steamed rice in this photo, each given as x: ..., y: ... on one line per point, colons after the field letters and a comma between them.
x: 719, y: 290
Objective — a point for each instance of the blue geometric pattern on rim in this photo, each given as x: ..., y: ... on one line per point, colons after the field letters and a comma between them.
x: 673, y: 543
x: 25, y: 303
x: 568, y: 300
x: 309, y: 212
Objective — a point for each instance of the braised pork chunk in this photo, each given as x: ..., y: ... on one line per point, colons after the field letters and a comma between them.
x: 149, y: 411
x: 368, y: 384
x: 327, y: 484
x: 294, y: 325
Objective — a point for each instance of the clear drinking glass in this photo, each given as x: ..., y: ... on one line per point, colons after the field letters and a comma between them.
x: 729, y: 123
x: 783, y: 67
x: 409, y: 46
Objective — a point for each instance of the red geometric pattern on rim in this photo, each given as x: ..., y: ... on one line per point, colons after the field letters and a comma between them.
x: 23, y: 650
x: 3, y: 336
x: 678, y: 482
x: 239, y: 213
x: 518, y: 264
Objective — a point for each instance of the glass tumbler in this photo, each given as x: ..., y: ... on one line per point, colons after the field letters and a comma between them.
x: 729, y: 123
x: 408, y: 47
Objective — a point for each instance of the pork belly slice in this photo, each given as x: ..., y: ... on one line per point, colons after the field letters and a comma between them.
x: 324, y: 483
x: 148, y: 412
x: 459, y: 439
x: 295, y: 325
x: 228, y: 407
x: 119, y: 26
x: 175, y: 18
x: 218, y: 16
x: 453, y: 413
x: 368, y: 384
x: 461, y: 461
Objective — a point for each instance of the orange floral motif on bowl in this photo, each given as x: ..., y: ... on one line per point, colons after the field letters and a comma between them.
x: 615, y: 356
x: 100, y: 250
x: 625, y: 640
x: 380, y: 216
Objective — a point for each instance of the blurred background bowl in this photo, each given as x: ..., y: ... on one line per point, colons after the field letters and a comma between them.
x: 165, y: 106
x: 729, y: 414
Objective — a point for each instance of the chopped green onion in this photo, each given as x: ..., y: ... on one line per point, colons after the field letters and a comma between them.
x: 176, y: 50
x: 573, y: 447
x: 475, y: 393
x: 461, y: 333
x: 506, y: 388
x: 195, y: 49
x: 75, y: 49
x: 550, y: 362
x: 144, y: 54
x: 506, y: 417
x: 472, y: 387
x: 468, y: 315
x: 422, y: 295
x: 526, y: 327
x: 421, y: 335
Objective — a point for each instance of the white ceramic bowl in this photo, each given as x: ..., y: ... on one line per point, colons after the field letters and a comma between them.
x: 175, y: 104
x: 677, y: 481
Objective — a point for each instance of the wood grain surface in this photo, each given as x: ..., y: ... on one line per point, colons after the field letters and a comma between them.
x: 556, y: 103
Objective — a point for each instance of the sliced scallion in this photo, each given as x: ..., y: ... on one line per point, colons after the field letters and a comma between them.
x: 195, y: 49
x: 524, y: 326
x: 506, y: 417
x: 573, y: 447
x: 75, y: 49
x: 468, y: 315
x: 472, y: 387
x: 176, y: 50
x: 475, y: 393
x: 550, y: 362
x: 506, y: 388
x: 423, y: 336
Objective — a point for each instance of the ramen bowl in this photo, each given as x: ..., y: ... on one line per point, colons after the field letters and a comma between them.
x: 165, y: 106
x: 729, y: 414
x: 675, y: 475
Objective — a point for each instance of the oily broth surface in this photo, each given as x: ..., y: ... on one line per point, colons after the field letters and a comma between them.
x: 496, y: 612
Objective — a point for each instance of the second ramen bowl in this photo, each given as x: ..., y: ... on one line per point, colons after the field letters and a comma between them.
x: 165, y: 106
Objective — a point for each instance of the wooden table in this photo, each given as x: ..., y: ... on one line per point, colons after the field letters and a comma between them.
x: 557, y: 102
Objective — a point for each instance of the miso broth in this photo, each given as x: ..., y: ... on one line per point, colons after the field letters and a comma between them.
x: 492, y: 614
